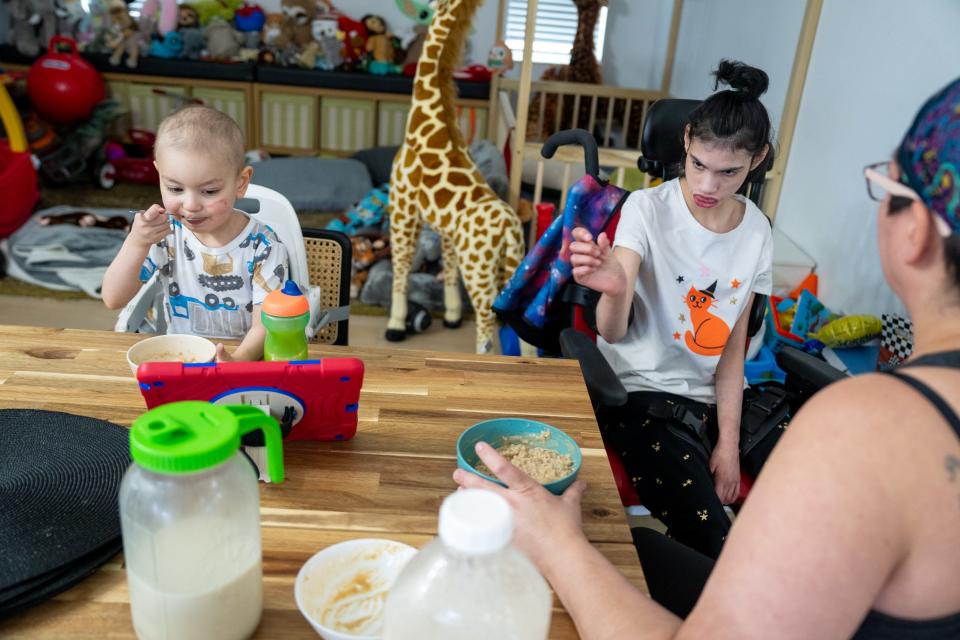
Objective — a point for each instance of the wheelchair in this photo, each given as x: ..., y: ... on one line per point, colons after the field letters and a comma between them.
x: 547, y: 309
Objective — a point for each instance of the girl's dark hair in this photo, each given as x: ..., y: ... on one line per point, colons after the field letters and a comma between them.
x: 735, y: 117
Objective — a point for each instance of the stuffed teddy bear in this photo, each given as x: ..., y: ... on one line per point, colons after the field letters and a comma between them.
x: 325, y: 33
x: 295, y: 31
x: 354, y: 42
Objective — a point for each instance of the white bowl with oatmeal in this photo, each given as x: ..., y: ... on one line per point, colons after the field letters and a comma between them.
x: 342, y: 590
x: 545, y: 453
x: 171, y: 348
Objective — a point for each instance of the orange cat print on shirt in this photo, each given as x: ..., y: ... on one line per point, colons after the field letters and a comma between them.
x: 710, y: 333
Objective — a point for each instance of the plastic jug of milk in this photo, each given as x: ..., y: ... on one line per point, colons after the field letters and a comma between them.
x: 470, y: 583
x: 190, y: 517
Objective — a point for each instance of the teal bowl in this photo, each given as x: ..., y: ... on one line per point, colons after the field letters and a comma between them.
x: 493, y: 431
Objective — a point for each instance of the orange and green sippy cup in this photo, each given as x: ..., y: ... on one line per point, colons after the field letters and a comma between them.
x: 285, y: 314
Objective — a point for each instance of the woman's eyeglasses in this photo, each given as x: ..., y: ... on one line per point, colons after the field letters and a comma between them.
x: 879, y: 184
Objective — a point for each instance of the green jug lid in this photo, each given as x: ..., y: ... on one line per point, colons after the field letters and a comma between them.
x: 182, y: 437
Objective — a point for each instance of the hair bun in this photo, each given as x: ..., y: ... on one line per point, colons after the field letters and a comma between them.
x: 747, y: 81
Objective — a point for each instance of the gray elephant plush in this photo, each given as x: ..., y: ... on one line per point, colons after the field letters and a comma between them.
x: 193, y: 42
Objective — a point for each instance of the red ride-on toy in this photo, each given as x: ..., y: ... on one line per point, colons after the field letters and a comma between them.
x: 131, y: 162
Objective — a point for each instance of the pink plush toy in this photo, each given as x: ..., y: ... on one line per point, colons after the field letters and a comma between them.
x: 167, y: 20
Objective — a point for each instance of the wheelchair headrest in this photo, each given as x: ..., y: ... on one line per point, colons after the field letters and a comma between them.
x: 662, y: 139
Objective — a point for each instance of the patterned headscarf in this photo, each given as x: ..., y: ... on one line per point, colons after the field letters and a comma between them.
x: 929, y: 156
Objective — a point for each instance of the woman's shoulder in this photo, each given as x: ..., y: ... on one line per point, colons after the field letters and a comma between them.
x: 756, y: 219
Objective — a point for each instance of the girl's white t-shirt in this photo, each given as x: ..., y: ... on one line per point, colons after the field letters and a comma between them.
x: 692, y: 287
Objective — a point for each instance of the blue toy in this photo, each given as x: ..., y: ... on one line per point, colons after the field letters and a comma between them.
x: 169, y: 46
x: 371, y: 212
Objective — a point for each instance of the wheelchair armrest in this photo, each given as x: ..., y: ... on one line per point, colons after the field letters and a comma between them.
x: 757, y: 312
x: 604, y: 387
x: 809, y: 372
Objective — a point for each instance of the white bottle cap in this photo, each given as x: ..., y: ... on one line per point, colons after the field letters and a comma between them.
x: 476, y: 521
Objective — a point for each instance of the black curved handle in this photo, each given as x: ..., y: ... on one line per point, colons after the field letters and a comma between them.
x: 575, y: 136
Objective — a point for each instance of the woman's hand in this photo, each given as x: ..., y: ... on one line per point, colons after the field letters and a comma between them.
x: 594, y: 265
x: 150, y: 226
x: 725, y: 467
x: 537, y: 514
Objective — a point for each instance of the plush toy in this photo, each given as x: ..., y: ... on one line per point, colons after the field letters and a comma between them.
x: 169, y: 46
x: 367, y: 250
x: 354, y: 42
x: 164, y: 14
x: 70, y: 15
x: 207, y: 9
x: 379, y: 46
x: 223, y: 43
x: 500, y: 58
x: 295, y: 32
x: 193, y: 42
x: 272, y: 26
x: 124, y: 36
x: 34, y: 23
x: 249, y: 21
x: 421, y: 13
x: 187, y: 17
x: 325, y: 33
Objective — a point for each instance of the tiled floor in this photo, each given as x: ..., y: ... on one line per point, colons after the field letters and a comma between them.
x: 91, y: 314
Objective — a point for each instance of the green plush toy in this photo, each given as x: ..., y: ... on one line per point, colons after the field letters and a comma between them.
x: 207, y: 9
x: 848, y: 331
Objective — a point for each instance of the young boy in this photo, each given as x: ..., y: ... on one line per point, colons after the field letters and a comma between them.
x: 216, y: 264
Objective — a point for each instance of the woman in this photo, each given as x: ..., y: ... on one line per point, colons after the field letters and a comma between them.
x: 853, y: 529
x: 687, y: 259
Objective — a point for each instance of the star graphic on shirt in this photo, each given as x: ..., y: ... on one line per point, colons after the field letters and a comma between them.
x: 676, y: 335
x: 733, y: 299
x: 682, y: 317
x: 735, y: 283
x: 679, y: 279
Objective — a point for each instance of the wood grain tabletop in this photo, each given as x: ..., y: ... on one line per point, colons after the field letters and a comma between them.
x: 387, y: 482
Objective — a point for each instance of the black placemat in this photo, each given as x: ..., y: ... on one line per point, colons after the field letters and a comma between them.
x: 59, y: 480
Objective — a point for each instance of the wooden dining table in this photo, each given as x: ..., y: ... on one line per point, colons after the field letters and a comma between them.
x: 386, y: 482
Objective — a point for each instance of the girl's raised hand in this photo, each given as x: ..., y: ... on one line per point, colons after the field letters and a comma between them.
x: 594, y: 264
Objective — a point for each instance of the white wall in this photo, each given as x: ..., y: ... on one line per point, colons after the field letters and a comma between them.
x: 481, y: 37
x: 758, y: 32
x: 874, y: 63
x: 636, y: 42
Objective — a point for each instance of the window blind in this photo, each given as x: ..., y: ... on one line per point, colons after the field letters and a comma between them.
x: 555, y: 30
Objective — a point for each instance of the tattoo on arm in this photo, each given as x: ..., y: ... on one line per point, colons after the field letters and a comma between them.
x: 952, y: 465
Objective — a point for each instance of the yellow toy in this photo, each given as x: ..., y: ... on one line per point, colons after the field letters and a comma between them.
x: 848, y: 331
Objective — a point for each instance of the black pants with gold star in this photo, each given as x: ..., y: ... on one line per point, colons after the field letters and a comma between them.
x: 672, y: 478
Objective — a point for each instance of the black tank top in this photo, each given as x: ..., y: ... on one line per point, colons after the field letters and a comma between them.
x: 880, y: 626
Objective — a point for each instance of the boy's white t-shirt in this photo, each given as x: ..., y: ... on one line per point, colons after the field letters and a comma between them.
x: 211, y: 291
x: 692, y: 287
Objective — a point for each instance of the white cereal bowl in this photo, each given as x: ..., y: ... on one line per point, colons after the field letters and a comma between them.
x: 171, y: 348
x: 327, y: 587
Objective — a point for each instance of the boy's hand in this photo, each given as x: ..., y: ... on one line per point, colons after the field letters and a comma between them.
x: 150, y: 226
x: 222, y: 355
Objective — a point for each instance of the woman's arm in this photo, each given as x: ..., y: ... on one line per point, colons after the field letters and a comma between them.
x: 612, y: 273
x: 822, y: 530
x: 725, y: 460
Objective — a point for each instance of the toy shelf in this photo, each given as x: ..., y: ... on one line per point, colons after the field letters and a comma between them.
x: 281, y: 110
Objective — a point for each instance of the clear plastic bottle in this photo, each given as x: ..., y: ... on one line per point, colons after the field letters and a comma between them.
x: 470, y: 583
x: 190, y: 517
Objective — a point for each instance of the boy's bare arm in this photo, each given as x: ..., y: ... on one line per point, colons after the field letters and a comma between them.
x: 122, y: 279
x: 251, y: 347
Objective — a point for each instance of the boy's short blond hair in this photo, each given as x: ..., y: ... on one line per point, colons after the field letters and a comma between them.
x: 203, y: 129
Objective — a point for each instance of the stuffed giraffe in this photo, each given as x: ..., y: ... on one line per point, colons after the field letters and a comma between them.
x: 583, y: 68
x: 434, y: 179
